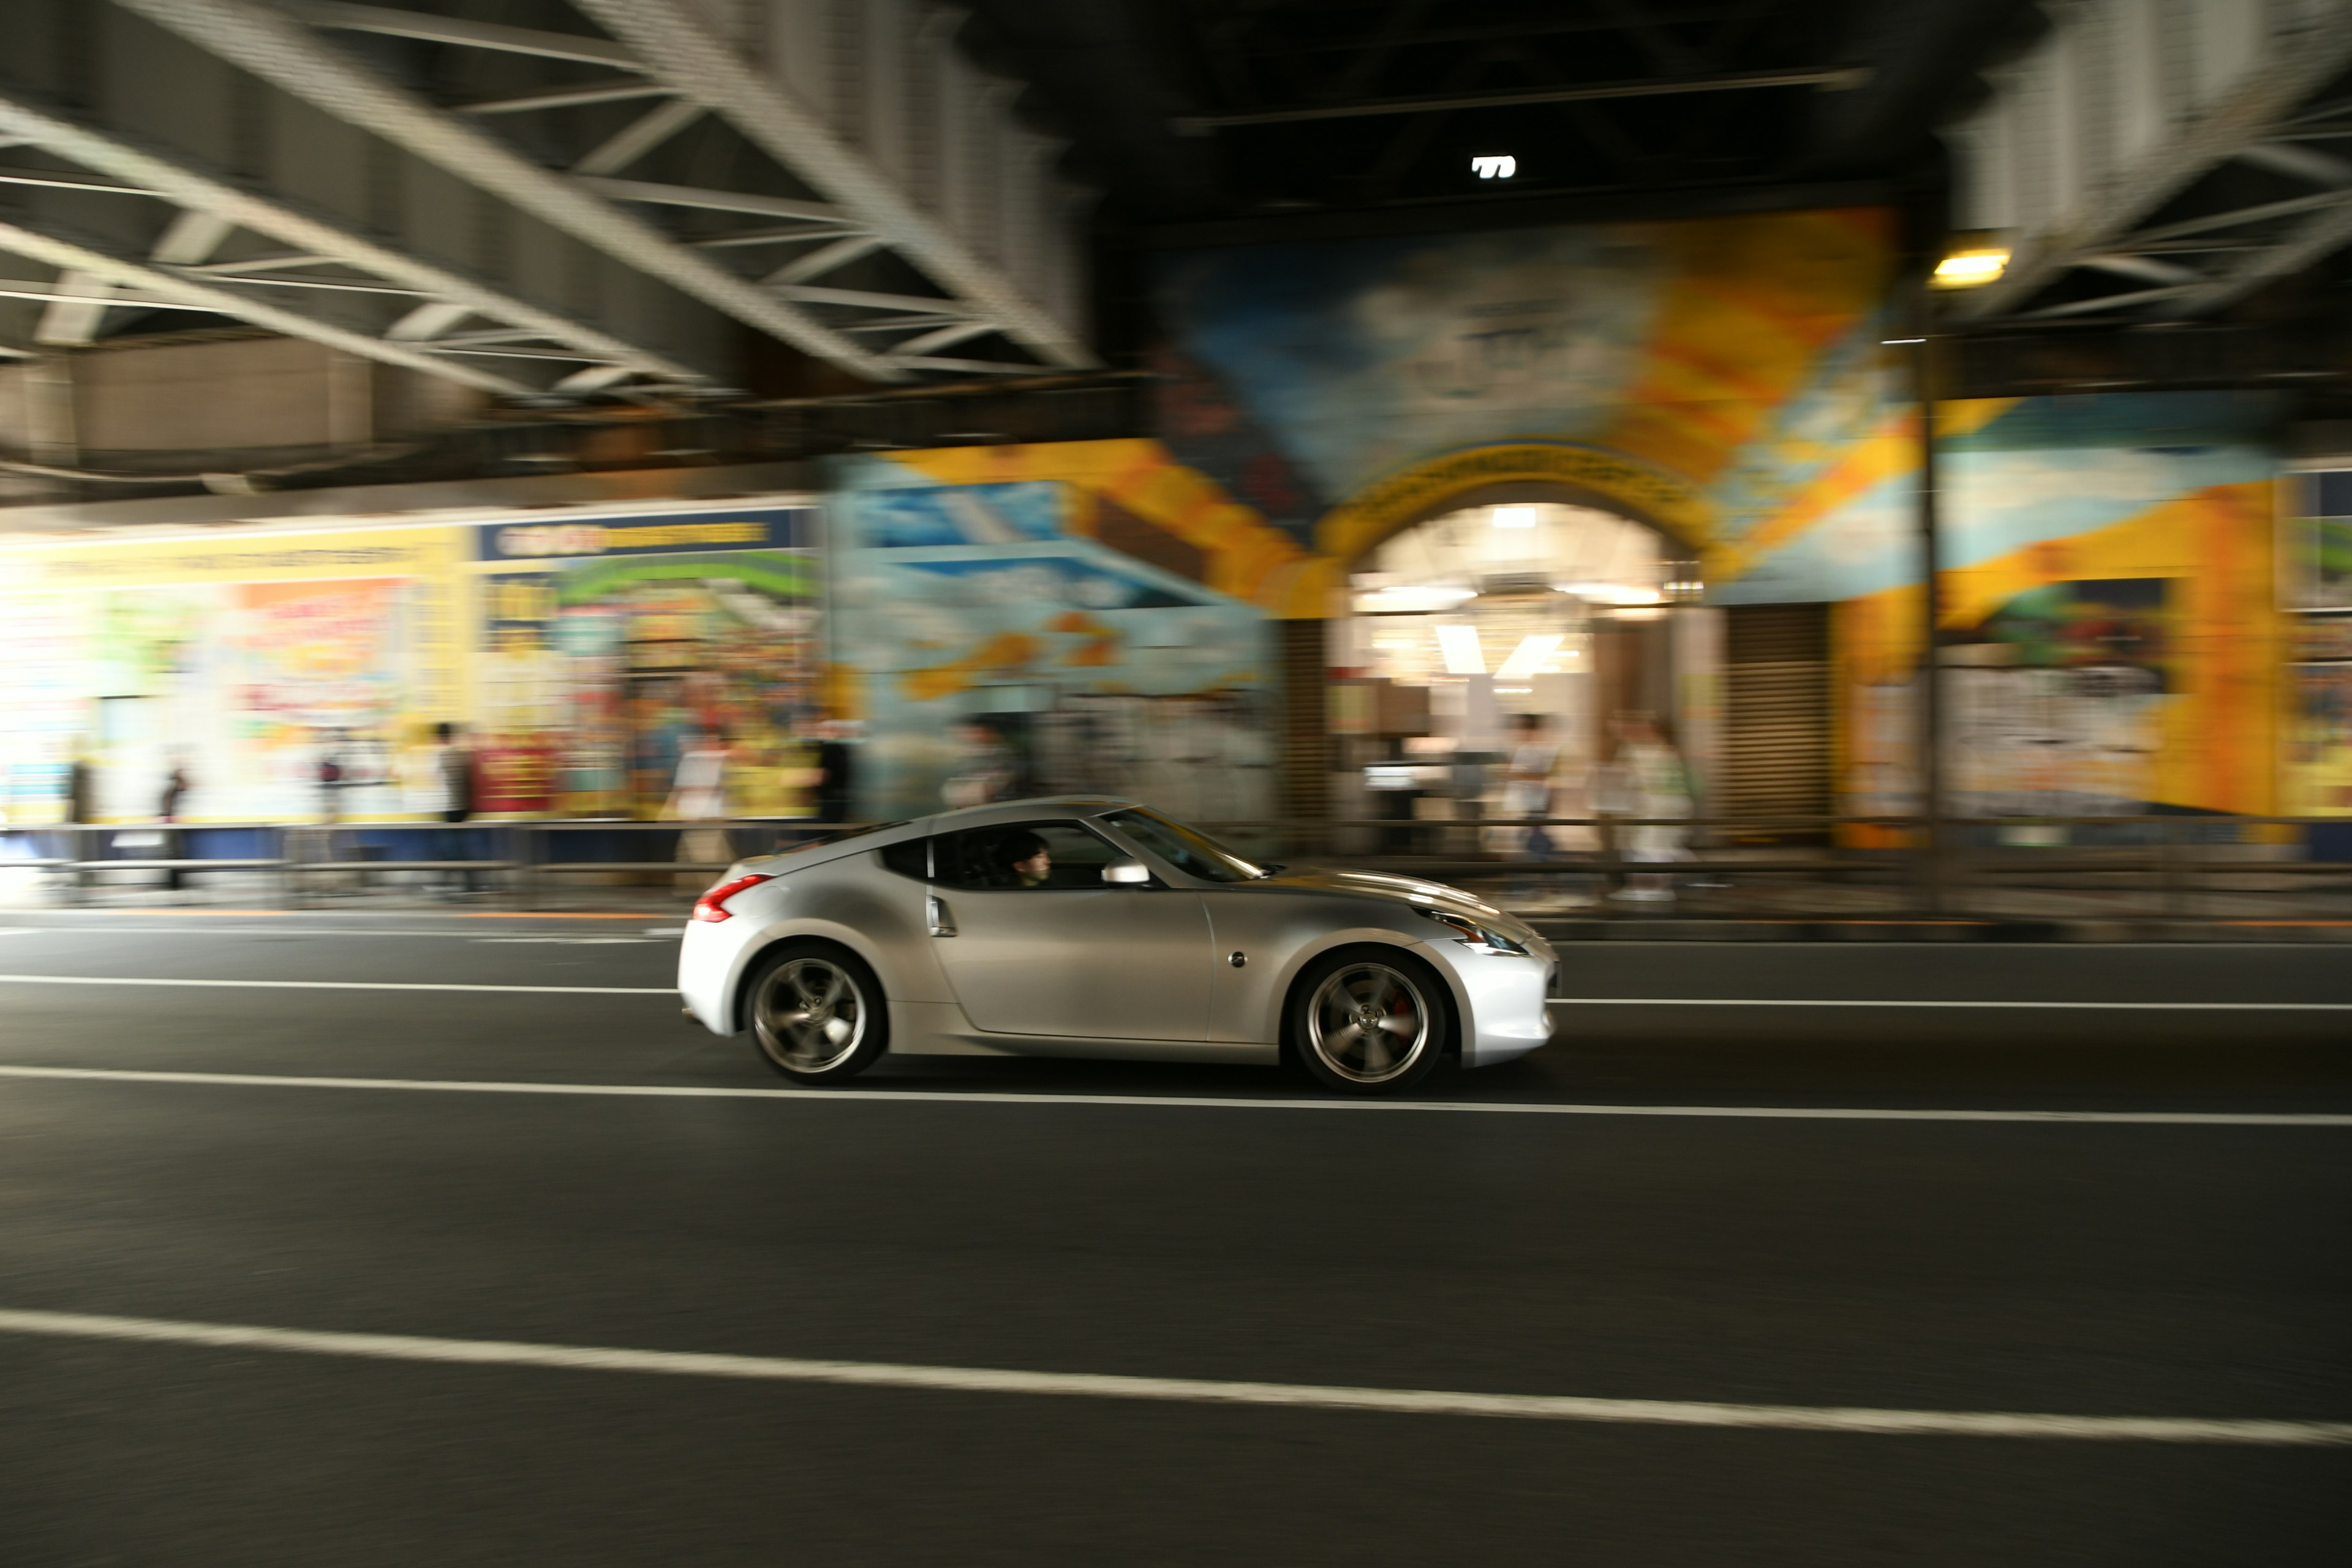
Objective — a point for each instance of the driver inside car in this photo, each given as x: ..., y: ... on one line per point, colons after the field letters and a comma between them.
x: 1029, y: 860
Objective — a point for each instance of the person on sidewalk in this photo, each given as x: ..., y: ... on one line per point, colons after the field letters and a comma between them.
x: 453, y: 770
x: 171, y: 842
x: 699, y: 794
x: 837, y: 763
x: 1651, y: 785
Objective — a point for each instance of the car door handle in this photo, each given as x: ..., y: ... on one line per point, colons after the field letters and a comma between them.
x: 936, y: 916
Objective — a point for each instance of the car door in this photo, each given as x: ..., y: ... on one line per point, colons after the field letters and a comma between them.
x: 1065, y: 953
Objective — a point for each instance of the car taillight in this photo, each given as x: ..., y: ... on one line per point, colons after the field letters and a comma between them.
x: 712, y: 905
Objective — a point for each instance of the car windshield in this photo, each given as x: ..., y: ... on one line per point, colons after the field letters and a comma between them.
x: 1192, y: 852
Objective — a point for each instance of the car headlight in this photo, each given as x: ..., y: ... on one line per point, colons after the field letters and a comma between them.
x: 1471, y: 931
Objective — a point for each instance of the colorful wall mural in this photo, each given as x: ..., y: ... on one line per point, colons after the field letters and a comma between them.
x: 1723, y: 378
x: 1088, y: 616
x: 2109, y: 609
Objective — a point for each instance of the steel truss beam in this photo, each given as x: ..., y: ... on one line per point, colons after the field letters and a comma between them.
x: 675, y: 41
x: 2249, y: 123
x: 153, y: 287
x: 273, y: 45
x: 212, y: 208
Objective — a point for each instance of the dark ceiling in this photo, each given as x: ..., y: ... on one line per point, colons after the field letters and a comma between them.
x: 1185, y: 112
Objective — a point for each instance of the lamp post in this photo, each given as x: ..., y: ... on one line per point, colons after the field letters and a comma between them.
x: 1928, y: 530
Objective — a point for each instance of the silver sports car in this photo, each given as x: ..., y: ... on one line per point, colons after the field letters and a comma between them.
x: 1099, y: 927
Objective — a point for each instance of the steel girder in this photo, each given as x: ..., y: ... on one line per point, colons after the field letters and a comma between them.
x: 180, y: 273
x: 674, y: 40
x: 844, y: 206
x: 280, y: 50
x: 2120, y: 105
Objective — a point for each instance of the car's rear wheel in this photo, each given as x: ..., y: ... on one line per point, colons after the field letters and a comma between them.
x: 1369, y: 1022
x: 817, y: 1011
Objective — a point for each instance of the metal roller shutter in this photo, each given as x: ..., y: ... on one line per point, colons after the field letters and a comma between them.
x: 1776, y: 711
x: 1304, y: 791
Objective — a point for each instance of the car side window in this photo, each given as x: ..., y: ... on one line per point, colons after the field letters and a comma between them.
x: 909, y: 857
x: 1041, y: 855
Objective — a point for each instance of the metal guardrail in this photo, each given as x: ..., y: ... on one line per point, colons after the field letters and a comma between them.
x: 1935, y: 865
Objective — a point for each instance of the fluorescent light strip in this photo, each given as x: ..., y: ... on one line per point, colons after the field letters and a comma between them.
x: 1459, y: 643
x: 1529, y: 656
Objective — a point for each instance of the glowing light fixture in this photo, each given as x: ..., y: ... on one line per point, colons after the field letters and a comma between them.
x: 1495, y: 167
x: 1514, y: 517
x: 1459, y: 643
x: 1612, y: 593
x: 1529, y: 656
x: 1970, y: 269
x: 1409, y: 598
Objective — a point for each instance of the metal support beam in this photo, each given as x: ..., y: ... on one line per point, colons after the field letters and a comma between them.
x: 863, y: 298
x: 275, y: 47
x: 74, y: 311
x: 639, y: 137
x: 566, y: 97
x: 952, y: 334
x: 2315, y: 238
x: 824, y: 259
x: 185, y: 293
x: 2300, y: 66
x: 676, y: 39
x: 654, y: 193
x: 212, y: 202
x: 432, y: 29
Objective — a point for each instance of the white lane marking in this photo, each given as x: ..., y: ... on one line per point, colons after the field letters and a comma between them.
x: 1188, y: 1390
x: 1866, y: 1002
x: 18, y: 930
x: 338, y: 984
x: 665, y: 931
x: 1184, y: 1102
x: 572, y: 940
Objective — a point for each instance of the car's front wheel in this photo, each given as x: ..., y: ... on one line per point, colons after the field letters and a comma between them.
x: 817, y: 1011
x: 1369, y: 1022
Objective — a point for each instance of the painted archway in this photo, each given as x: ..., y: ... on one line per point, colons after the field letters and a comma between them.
x: 1519, y: 471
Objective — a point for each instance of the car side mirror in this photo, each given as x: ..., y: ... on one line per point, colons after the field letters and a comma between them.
x: 1128, y: 874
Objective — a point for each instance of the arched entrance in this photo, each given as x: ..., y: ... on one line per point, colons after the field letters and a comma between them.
x: 1527, y: 603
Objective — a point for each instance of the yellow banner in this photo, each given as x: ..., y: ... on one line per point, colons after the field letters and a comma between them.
x: 230, y: 557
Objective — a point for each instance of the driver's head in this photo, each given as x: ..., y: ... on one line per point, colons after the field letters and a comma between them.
x: 1027, y: 857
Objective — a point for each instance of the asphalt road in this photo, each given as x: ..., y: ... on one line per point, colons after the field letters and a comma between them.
x: 1623, y: 1218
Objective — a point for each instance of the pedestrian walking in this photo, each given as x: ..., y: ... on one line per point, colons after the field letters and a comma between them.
x: 699, y: 794
x: 1649, y: 783
x: 453, y: 770
x: 836, y: 762
x: 171, y: 843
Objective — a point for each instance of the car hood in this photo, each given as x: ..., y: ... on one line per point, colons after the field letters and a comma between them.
x: 1414, y: 892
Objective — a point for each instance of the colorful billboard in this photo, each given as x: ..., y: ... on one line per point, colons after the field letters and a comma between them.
x: 241, y: 657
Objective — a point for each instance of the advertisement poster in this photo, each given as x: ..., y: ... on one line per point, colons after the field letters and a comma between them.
x: 611, y: 646
x: 245, y: 658
x: 2319, y: 540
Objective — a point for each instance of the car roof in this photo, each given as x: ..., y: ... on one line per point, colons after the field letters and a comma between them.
x: 1001, y: 811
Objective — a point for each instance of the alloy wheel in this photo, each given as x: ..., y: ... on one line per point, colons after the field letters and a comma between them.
x: 1368, y: 1023
x: 809, y: 1014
